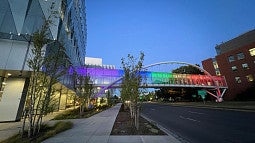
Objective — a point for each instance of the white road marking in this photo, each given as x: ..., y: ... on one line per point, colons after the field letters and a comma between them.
x: 153, y: 109
x: 189, y: 119
x: 195, y: 112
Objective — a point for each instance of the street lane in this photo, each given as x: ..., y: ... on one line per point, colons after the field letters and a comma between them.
x: 200, y: 125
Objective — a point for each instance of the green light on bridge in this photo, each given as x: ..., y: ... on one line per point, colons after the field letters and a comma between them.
x: 161, y: 75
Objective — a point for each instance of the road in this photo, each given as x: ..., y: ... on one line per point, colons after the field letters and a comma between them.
x: 200, y: 125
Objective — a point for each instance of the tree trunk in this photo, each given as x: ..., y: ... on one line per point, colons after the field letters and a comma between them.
x: 137, y: 116
x: 24, y: 122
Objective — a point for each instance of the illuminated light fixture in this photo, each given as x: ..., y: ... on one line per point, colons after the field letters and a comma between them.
x: 9, y: 74
x: 4, y: 83
x: 18, y: 34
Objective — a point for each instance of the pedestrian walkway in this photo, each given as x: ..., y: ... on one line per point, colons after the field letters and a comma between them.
x: 97, y: 129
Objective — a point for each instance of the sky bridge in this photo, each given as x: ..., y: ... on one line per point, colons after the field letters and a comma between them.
x: 102, y: 77
x: 111, y: 78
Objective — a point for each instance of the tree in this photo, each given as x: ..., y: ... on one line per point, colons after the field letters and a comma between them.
x: 84, y: 91
x: 109, y: 97
x: 46, y: 69
x: 177, y: 92
x: 130, y: 85
x: 187, y: 70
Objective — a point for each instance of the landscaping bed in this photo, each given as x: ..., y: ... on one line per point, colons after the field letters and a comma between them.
x: 46, y: 132
x: 75, y: 113
x: 124, y: 126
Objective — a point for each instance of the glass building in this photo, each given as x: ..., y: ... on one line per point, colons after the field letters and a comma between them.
x: 19, y: 19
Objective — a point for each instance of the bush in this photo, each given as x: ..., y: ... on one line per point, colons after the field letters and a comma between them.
x: 247, y: 95
x: 46, y: 132
x: 70, y: 114
x: 75, y: 113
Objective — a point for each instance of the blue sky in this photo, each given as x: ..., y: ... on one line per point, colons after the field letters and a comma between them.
x: 165, y: 30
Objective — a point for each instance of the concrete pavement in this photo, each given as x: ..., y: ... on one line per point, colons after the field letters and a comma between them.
x: 97, y: 129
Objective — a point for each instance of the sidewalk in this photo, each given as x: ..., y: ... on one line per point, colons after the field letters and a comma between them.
x: 97, y: 129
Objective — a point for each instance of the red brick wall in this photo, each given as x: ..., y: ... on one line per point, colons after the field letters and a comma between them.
x: 235, y: 88
x: 208, y: 66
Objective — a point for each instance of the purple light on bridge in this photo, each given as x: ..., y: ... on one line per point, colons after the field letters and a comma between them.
x: 100, y: 72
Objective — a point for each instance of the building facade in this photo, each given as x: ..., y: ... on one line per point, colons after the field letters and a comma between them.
x: 235, y: 60
x: 18, y: 21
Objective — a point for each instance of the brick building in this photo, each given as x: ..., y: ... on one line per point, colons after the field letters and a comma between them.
x: 235, y: 60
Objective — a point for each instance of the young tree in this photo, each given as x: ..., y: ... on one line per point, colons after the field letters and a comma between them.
x: 109, y: 98
x: 46, y: 69
x: 130, y: 85
x: 84, y: 91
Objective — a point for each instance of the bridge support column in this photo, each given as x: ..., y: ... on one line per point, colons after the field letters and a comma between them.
x: 218, y: 95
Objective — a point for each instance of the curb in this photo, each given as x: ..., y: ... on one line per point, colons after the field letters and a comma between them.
x: 164, y: 129
x: 218, y: 108
x: 210, y: 107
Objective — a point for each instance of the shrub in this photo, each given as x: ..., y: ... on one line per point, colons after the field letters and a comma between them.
x: 46, y: 132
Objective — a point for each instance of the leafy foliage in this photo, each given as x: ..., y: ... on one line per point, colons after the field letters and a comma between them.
x: 130, y: 84
x: 46, y: 64
x: 75, y: 113
x: 47, y: 132
x: 187, y: 70
x: 176, y: 93
x: 84, y: 90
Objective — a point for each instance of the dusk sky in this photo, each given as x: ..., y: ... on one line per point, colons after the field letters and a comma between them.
x: 165, y: 30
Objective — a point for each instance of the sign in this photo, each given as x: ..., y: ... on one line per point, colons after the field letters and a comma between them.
x: 194, y: 95
x: 202, y: 93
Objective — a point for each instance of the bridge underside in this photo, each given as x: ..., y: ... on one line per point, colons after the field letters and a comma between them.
x: 163, y: 85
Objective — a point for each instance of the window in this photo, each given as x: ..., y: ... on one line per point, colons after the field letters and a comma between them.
x: 217, y: 72
x: 240, y: 56
x: 245, y: 66
x: 238, y: 79
x: 231, y: 58
x: 215, y: 64
x: 234, y: 68
x: 252, y: 51
x: 249, y: 78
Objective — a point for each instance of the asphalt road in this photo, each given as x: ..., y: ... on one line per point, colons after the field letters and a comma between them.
x: 203, y: 125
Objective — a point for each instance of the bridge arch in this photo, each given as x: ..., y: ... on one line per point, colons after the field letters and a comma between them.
x: 218, y: 95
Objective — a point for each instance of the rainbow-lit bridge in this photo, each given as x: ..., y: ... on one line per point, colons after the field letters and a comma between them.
x: 102, y: 77
x: 111, y: 78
